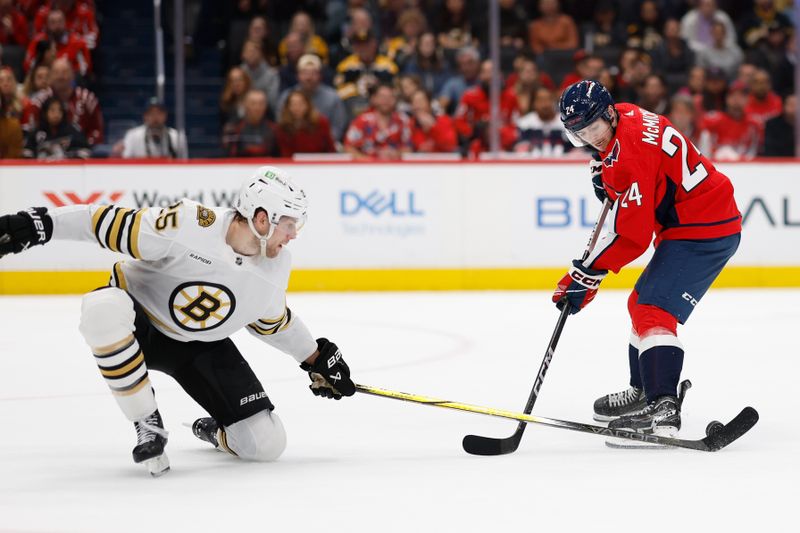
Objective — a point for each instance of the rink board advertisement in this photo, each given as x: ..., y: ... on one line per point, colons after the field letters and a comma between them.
x: 415, y: 225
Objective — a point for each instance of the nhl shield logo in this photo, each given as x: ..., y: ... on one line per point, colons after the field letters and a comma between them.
x: 205, y: 216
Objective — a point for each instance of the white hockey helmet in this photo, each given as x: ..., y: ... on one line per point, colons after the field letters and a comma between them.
x: 271, y: 189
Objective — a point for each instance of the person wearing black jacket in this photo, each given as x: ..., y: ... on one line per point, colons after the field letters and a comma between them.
x: 779, y: 131
x: 56, y: 138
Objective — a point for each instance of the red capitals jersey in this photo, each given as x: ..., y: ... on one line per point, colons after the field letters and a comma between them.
x: 660, y: 184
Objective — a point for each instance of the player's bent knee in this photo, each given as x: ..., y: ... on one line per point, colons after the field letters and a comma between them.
x: 260, y: 437
x: 652, y: 320
x: 107, y: 316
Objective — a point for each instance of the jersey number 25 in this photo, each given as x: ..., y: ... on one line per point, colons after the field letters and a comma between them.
x: 690, y: 178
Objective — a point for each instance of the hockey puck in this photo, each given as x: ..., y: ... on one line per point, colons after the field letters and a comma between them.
x: 714, y: 427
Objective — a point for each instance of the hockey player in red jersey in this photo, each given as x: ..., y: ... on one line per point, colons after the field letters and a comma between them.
x: 659, y: 185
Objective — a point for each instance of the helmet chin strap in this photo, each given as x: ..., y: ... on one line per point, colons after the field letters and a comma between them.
x: 262, y: 239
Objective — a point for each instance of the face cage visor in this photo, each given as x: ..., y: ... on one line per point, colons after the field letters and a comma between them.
x: 593, y: 134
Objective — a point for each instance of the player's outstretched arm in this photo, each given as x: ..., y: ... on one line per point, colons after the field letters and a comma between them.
x: 20, y: 231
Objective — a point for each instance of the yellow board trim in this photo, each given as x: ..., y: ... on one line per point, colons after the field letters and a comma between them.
x: 409, y: 279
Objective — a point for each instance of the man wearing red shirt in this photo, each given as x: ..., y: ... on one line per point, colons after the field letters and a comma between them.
x: 471, y: 118
x: 380, y: 132
x: 79, y: 16
x: 68, y: 44
x: 659, y: 184
x: 13, y: 25
x: 763, y: 104
x: 82, y: 106
x: 731, y: 134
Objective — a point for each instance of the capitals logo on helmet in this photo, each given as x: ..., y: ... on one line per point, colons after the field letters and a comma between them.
x: 581, y: 104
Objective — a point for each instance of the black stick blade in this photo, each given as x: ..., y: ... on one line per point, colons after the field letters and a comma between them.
x: 477, y: 445
x: 734, y: 429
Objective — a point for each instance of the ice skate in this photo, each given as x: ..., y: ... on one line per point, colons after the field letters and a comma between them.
x: 662, y: 417
x: 617, y: 404
x: 151, y: 438
x: 205, y: 429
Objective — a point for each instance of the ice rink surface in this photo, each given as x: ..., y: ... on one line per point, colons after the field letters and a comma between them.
x: 373, y: 464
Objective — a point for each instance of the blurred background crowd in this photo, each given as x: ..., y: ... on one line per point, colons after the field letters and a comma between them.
x: 382, y: 79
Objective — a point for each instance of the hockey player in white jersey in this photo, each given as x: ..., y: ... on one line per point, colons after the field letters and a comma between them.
x: 198, y: 275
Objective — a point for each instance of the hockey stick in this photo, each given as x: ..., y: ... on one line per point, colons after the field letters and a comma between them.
x: 478, y: 445
x: 716, y: 440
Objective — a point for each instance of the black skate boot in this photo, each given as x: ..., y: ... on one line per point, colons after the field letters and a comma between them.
x: 661, y: 417
x: 206, y: 429
x: 615, y: 405
x: 151, y: 438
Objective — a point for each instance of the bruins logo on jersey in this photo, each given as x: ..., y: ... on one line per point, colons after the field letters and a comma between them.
x: 205, y: 216
x: 200, y: 306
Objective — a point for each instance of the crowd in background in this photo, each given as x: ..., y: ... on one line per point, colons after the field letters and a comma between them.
x: 382, y: 78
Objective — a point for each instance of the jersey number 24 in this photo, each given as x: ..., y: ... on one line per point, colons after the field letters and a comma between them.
x: 690, y: 178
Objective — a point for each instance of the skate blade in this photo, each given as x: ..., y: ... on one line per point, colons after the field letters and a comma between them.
x: 157, y: 466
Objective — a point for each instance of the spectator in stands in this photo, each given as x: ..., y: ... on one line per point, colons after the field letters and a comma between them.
x: 262, y: 76
x: 696, y: 25
x: 303, y: 26
x: 540, y: 133
x: 520, y: 95
x: 11, y: 139
x: 301, y: 129
x: 730, y: 134
x: 645, y: 33
x: 68, y: 45
x: 408, y: 85
x: 430, y: 131
x: 763, y: 104
x: 13, y: 25
x: 362, y: 70
x: 683, y: 116
x: 380, y: 132
x: 653, y: 96
x: 79, y: 15
x: 552, y: 30
x: 154, y: 139
x: 428, y: 63
x: 520, y: 62
x: 779, y: 131
x: 587, y: 67
x: 358, y: 22
x: 388, y: 17
x: 231, y: 103
x: 12, y: 98
x: 775, y: 55
x: 44, y: 54
x: 56, y: 138
x: 469, y: 67
x: 403, y: 47
x: 259, y: 31
x: 253, y: 135
x: 609, y: 81
x: 764, y: 17
x: 294, y: 51
x: 635, y: 66
x: 513, y: 25
x: 83, y: 109
x: 606, y: 30
x: 36, y: 80
x: 325, y: 99
x: 473, y: 113
x: 673, y: 58
x: 714, y: 90
x: 454, y: 26
x: 721, y: 53
x: 746, y: 72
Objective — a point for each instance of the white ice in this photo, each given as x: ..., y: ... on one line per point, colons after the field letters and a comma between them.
x: 373, y: 464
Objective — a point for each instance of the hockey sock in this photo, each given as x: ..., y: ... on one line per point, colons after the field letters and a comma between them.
x: 660, y: 364
x: 633, y: 360
x: 123, y: 368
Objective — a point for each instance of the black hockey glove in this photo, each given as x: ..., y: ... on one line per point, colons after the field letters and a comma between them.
x: 25, y: 229
x: 596, y: 169
x: 330, y: 375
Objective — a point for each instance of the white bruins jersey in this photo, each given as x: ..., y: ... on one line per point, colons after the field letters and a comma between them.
x: 189, y: 281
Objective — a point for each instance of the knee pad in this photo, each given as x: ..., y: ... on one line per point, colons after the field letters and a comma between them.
x: 651, y: 320
x: 259, y: 437
x: 107, y: 316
